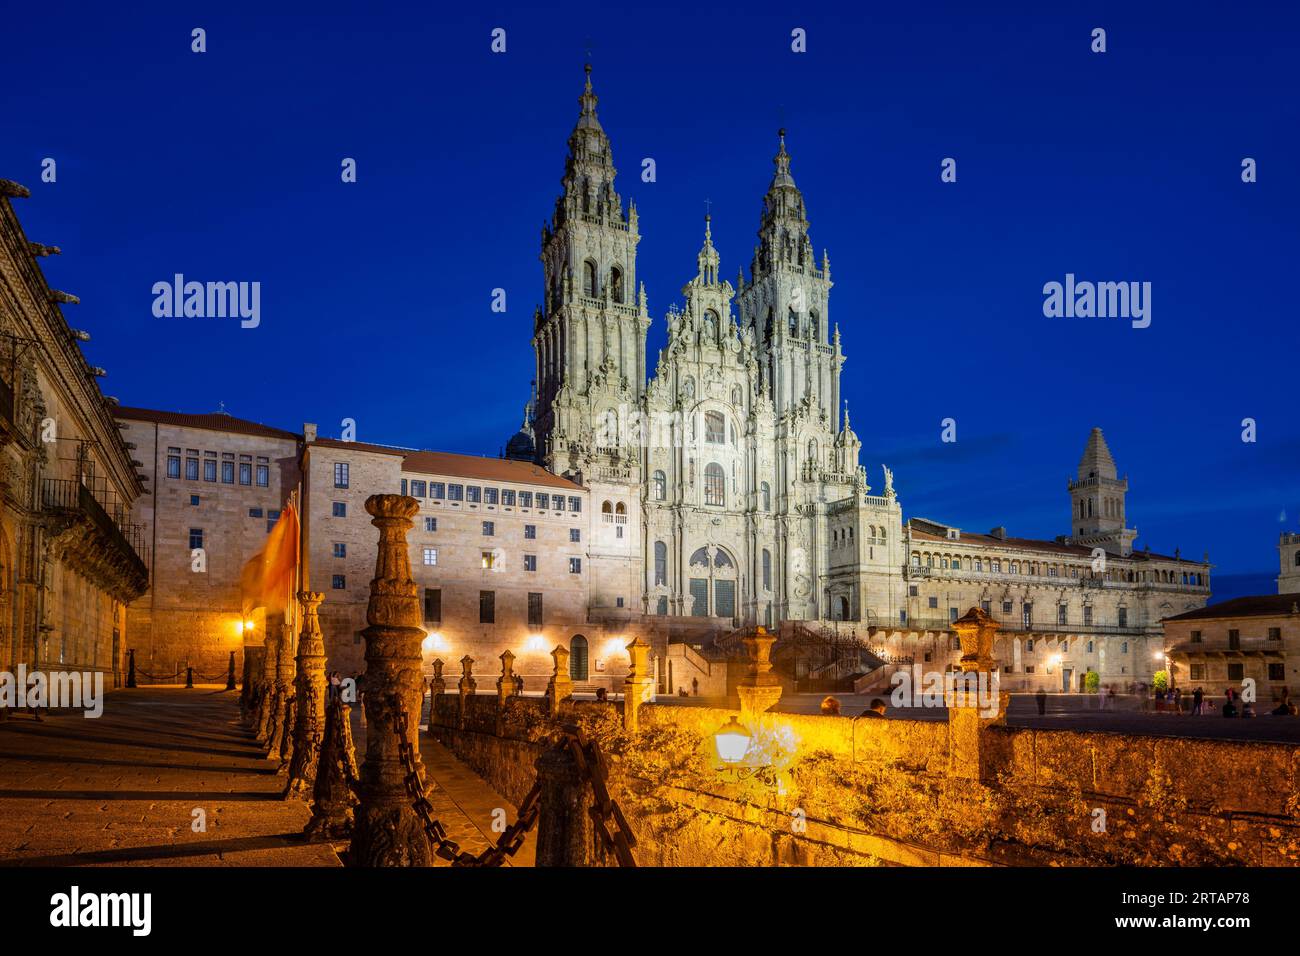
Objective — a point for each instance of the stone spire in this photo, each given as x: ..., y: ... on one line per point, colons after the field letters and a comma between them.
x: 708, y: 257
x: 783, y: 233
x: 1097, y: 461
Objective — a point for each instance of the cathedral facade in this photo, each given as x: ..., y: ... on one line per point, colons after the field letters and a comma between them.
x: 728, y: 481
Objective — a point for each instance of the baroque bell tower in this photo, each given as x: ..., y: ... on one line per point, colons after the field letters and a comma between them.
x: 787, y: 303
x: 589, y: 334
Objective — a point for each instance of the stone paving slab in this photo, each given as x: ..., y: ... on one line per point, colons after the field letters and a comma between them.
x: 120, y: 790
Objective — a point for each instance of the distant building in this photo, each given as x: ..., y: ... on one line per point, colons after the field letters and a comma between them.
x: 1288, y: 550
x: 1249, y: 638
x: 218, y: 485
x: 71, y: 556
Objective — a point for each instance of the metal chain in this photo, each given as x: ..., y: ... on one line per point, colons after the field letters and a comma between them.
x: 512, y: 838
x: 591, y: 764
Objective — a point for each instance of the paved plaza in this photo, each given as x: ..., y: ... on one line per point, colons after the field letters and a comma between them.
x: 121, y: 790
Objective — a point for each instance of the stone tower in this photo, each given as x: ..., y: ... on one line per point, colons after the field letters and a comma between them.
x: 590, y: 332
x: 1097, y: 500
x: 787, y: 303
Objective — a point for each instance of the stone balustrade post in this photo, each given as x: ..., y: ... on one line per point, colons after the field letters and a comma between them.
x: 560, y: 687
x: 760, y: 689
x: 506, y: 682
x: 437, y: 687
x: 637, y: 684
x: 310, y: 689
x: 267, y: 703
x: 565, y: 833
x: 975, y: 700
x: 466, y: 686
x: 388, y: 832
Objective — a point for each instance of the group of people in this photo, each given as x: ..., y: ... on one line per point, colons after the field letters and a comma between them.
x: 831, y: 708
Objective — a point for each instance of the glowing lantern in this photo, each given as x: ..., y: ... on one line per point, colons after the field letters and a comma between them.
x: 732, y: 741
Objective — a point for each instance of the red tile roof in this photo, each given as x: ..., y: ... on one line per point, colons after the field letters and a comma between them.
x: 1037, y: 544
x: 488, y: 469
x: 213, y: 422
x: 1257, y: 605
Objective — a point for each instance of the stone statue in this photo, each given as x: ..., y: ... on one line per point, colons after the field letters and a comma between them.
x: 889, y: 482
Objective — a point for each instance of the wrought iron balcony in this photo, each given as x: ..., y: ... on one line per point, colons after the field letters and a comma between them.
x: 97, y: 536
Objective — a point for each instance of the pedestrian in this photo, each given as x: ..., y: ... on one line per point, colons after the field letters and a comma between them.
x: 519, y: 684
x: 1110, y: 693
x: 1198, y: 699
x: 830, y: 707
x: 1041, y: 698
x: 695, y: 687
x: 1229, y: 708
x: 875, y: 709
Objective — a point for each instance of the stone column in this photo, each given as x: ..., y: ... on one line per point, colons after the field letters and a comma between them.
x: 760, y: 689
x: 978, y: 703
x: 266, y: 703
x: 249, y: 696
x: 336, y: 776
x: 560, y: 687
x: 388, y: 832
x: 467, y: 685
x: 437, y: 687
x: 637, y: 682
x: 309, y: 712
x: 230, y: 673
x: 565, y: 833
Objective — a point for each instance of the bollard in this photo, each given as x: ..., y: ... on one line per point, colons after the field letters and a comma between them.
x: 189, y: 678
x: 467, y: 686
x: 130, y: 672
x: 230, y: 673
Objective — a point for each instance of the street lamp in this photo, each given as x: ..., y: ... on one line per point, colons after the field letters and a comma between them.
x: 732, y: 741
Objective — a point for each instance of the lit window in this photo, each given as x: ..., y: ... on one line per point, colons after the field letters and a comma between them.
x: 431, y: 556
x: 489, y: 559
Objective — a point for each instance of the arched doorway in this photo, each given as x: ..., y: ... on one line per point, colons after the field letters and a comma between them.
x: 578, y: 658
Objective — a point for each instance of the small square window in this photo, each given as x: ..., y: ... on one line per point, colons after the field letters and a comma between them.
x: 430, y: 524
x: 489, y: 560
x: 341, y: 474
x: 575, y: 535
x: 194, y: 499
x: 575, y: 565
x: 530, y: 562
x: 489, y: 529
x: 934, y: 602
x: 340, y: 509
x: 474, y: 494
x: 431, y: 556
x: 255, y: 512
x: 507, y: 498
x: 340, y: 549
x: 196, y: 538
x: 437, y: 489
x: 525, y: 499
x: 489, y: 496
x: 530, y: 531
x: 340, y: 582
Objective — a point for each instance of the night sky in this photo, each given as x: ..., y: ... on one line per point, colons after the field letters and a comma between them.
x: 1122, y: 166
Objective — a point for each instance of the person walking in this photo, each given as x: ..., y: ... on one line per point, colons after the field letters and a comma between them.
x: 1041, y: 698
x: 1198, y: 699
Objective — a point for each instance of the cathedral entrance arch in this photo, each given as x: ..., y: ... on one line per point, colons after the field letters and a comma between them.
x: 713, y: 579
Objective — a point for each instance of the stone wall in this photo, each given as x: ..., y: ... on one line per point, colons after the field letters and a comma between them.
x: 879, y: 792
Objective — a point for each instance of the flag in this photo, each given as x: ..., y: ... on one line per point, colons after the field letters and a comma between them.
x: 268, y: 578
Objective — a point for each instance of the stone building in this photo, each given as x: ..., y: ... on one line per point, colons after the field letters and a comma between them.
x: 503, y: 553
x: 71, y: 557
x: 218, y: 483
x: 1248, y: 638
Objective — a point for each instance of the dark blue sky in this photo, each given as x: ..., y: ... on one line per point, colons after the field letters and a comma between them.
x: 375, y: 295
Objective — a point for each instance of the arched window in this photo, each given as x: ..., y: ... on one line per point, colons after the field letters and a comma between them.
x: 616, y: 284
x: 767, y: 325
x: 660, y: 486
x: 578, y: 658
x: 814, y: 331
x: 767, y: 570
x: 606, y: 508
x: 767, y: 498
x: 589, y: 279
x: 715, y: 428
x: 715, y: 485
x: 620, y: 509
x: 794, y: 323
x: 661, y: 563
x: 711, y: 322
x: 722, y: 560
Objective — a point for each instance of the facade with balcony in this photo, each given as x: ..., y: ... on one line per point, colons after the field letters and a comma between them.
x: 71, y: 557
x: 1245, y: 642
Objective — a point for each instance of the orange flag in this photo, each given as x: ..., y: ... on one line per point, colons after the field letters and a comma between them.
x: 268, y: 578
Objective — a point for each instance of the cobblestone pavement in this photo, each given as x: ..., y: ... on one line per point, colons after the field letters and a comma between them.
x: 121, y: 790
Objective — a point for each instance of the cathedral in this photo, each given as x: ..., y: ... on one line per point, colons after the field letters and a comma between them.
x: 728, y: 480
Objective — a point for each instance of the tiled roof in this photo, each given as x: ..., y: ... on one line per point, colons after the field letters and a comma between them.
x: 488, y: 469
x: 1257, y: 605
x: 1036, y: 544
x: 213, y: 422
x: 362, y: 446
